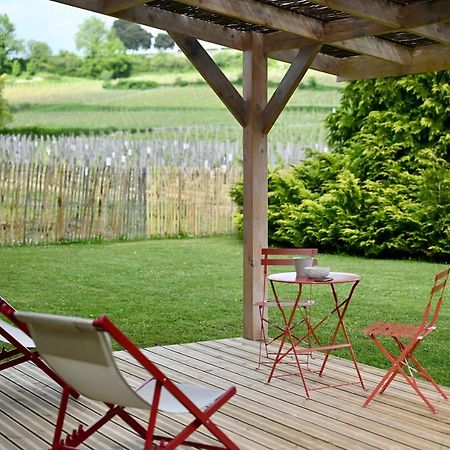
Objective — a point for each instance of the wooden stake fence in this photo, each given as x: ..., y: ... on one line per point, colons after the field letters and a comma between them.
x: 45, y: 203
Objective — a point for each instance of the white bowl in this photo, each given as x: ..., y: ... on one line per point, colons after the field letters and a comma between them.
x: 317, y: 272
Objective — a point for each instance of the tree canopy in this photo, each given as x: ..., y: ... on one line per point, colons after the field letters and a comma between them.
x: 39, y: 56
x: 132, y: 35
x: 163, y: 41
x: 5, y: 115
x: 9, y: 44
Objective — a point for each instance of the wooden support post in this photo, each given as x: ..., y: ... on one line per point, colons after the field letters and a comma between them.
x: 255, y: 182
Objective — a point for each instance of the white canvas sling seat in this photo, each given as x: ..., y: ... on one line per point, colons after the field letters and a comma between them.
x: 17, y: 334
x: 21, y: 347
x: 80, y: 352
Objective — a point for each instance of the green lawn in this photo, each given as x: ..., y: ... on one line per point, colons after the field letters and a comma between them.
x: 183, y: 290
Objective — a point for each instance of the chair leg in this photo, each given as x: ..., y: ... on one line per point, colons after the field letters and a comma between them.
x: 204, y: 418
x: 397, y: 367
x: 262, y: 336
x: 57, y: 441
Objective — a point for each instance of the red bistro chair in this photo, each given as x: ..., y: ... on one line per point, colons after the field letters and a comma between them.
x: 79, y: 351
x: 279, y: 257
x: 407, y: 338
x: 21, y: 347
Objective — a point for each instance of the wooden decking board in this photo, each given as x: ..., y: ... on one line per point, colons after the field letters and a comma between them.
x: 261, y: 416
x: 43, y: 399
x: 44, y: 407
x: 320, y: 416
x: 342, y: 367
x: 232, y: 429
x: 338, y: 414
x: 116, y: 435
x: 313, y: 421
x: 428, y: 420
x: 426, y: 443
x: 399, y: 388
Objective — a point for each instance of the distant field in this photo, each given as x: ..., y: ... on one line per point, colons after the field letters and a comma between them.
x: 73, y: 103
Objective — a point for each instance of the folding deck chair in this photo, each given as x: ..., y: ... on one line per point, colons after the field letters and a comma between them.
x: 79, y: 351
x: 21, y: 347
x: 279, y: 257
x: 407, y: 338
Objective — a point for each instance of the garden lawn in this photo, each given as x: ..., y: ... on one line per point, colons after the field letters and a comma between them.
x: 183, y: 290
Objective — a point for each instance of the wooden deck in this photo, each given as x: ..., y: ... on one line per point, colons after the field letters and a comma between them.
x: 260, y: 416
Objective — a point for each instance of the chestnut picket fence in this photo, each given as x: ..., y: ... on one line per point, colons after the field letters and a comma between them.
x: 62, y: 202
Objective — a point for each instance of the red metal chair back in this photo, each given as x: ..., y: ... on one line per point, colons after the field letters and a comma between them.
x: 277, y: 257
x: 436, y: 298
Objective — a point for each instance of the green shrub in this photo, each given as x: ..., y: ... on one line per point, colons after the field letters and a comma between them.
x: 131, y: 84
x: 164, y: 62
x: 384, y: 190
x: 228, y: 59
x: 5, y: 114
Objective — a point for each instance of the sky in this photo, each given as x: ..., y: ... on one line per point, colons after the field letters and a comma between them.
x: 50, y: 22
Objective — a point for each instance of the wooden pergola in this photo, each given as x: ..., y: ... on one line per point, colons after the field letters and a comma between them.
x: 352, y: 39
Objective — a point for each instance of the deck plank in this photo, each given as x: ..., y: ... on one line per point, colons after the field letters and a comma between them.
x: 261, y: 416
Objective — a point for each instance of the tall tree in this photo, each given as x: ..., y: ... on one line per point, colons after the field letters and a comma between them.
x: 163, y: 41
x: 5, y: 115
x: 94, y: 39
x: 132, y: 35
x: 8, y: 43
x: 39, y: 56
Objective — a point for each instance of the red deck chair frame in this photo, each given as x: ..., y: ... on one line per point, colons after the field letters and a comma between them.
x: 408, y: 337
x: 79, y: 350
x: 23, y: 347
x: 274, y: 257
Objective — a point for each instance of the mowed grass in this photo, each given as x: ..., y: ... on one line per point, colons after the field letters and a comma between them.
x: 183, y: 290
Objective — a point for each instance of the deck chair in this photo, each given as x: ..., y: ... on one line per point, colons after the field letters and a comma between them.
x: 79, y: 351
x: 21, y: 347
x: 271, y: 257
x: 407, y: 338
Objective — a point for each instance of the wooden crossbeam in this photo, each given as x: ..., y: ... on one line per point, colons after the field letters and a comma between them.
x: 380, y: 11
x: 429, y: 58
x: 439, y: 32
x: 424, y: 13
x: 378, y: 48
x: 288, y: 85
x: 323, y: 63
x: 169, y: 21
x: 212, y: 75
x: 112, y: 6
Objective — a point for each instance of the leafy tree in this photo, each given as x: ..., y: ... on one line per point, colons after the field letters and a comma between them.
x: 5, y: 115
x: 66, y: 63
x: 384, y: 189
x: 8, y: 44
x: 40, y: 55
x: 16, y: 69
x: 163, y: 41
x: 132, y: 35
x: 91, y: 37
x: 105, y: 53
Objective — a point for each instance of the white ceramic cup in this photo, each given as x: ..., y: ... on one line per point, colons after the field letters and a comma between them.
x: 300, y: 263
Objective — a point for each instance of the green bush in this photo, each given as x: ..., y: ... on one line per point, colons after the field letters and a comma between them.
x: 131, y: 84
x: 164, y: 62
x: 384, y: 189
x: 5, y: 114
x: 228, y: 59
